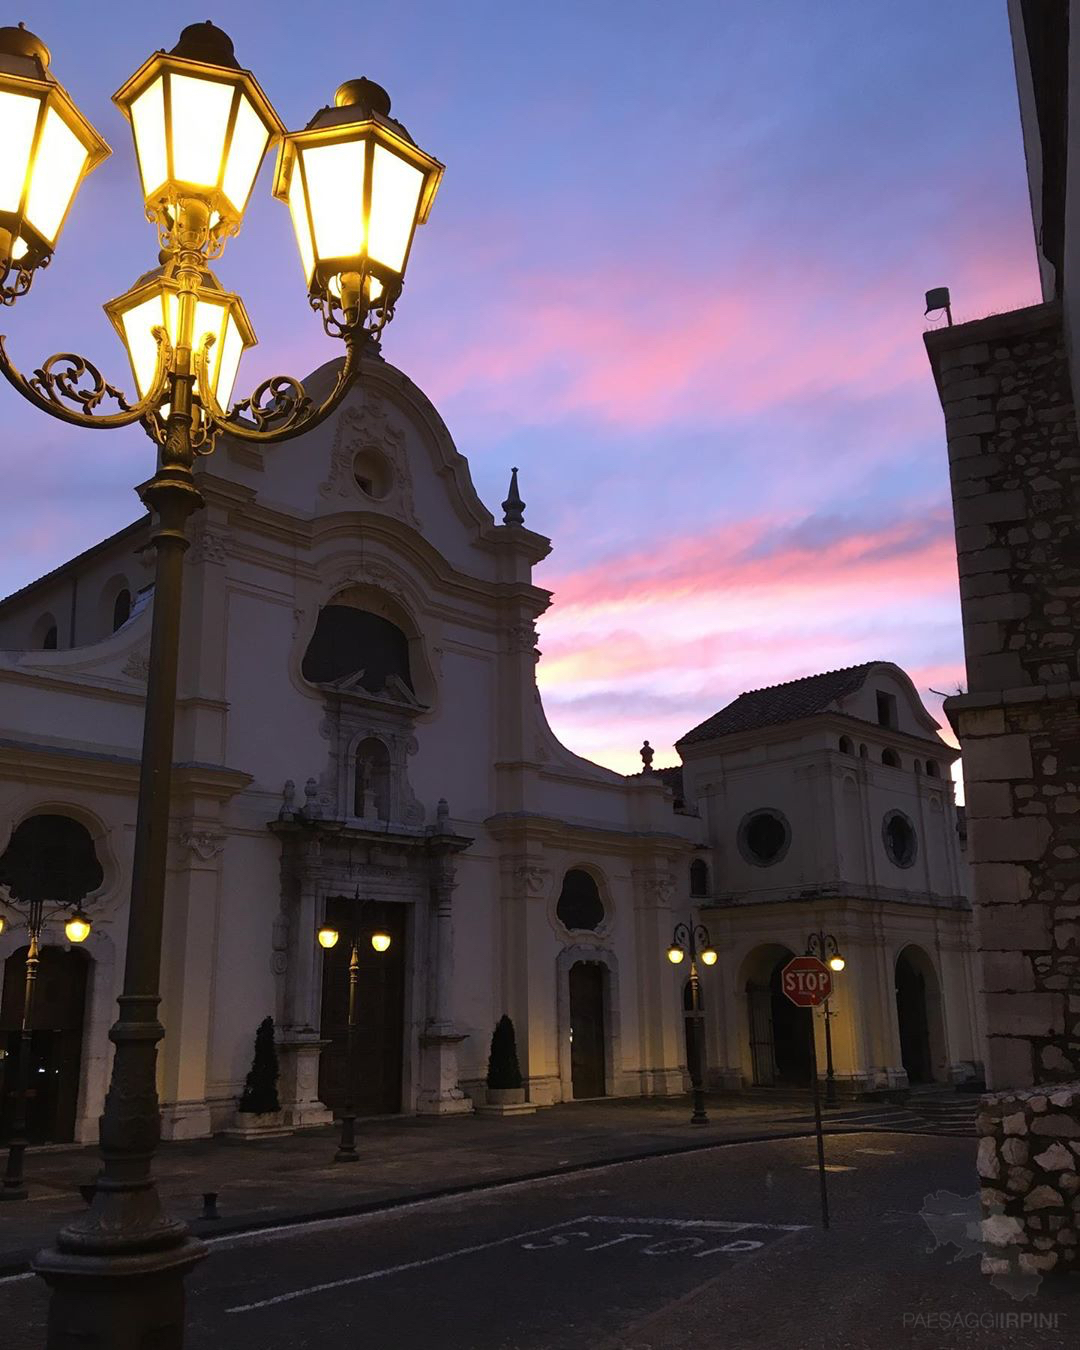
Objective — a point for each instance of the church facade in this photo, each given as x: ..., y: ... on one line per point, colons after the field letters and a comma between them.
x: 360, y: 741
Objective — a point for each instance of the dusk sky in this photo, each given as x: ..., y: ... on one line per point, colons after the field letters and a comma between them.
x: 675, y: 273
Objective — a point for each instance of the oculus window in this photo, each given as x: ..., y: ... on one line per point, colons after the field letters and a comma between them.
x: 901, y: 841
x: 580, y: 908
x: 764, y: 837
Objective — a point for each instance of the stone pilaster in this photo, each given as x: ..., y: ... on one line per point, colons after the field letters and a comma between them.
x: 439, y: 1092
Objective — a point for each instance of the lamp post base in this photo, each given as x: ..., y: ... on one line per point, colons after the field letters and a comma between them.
x: 121, y: 1302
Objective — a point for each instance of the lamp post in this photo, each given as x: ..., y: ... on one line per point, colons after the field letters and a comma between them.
x: 693, y: 939
x: 77, y: 929
x: 825, y: 947
x: 357, y: 186
x: 380, y: 941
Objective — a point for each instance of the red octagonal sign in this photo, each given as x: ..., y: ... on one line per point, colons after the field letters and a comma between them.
x: 806, y: 981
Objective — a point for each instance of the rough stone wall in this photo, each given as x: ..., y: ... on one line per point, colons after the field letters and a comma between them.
x: 1029, y: 1156
x: 1015, y: 468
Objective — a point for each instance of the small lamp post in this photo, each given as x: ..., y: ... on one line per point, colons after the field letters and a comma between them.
x: 380, y: 941
x: 825, y: 947
x: 201, y: 126
x: 36, y: 915
x: 693, y: 940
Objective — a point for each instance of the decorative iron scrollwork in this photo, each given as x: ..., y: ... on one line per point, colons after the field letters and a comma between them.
x: 66, y: 379
x: 11, y: 290
x: 280, y: 408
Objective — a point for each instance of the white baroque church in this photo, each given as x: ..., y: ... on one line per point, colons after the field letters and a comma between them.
x: 360, y: 740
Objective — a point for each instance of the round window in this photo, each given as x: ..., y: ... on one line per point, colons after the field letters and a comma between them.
x: 764, y: 837
x: 901, y: 842
x: 373, y: 474
x: 579, y: 907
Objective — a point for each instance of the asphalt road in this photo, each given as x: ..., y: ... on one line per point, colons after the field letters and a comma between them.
x: 721, y: 1248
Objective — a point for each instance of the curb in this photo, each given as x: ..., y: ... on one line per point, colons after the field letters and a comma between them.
x: 205, y: 1228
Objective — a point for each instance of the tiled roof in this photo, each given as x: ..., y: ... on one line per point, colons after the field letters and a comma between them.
x: 781, y: 703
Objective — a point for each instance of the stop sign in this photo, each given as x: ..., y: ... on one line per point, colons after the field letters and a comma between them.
x: 806, y: 981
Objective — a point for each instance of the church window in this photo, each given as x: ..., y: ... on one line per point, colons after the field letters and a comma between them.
x: 580, y: 907
x: 371, y: 781
x: 846, y: 746
x: 933, y: 769
x: 121, y: 609
x: 48, y: 642
x: 699, y: 877
x: 886, y: 709
x: 372, y: 473
x: 50, y: 857
x: 891, y: 758
x: 901, y: 843
x: 350, y: 641
x: 764, y: 837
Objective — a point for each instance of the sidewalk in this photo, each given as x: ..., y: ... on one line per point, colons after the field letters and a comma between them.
x: 401, y: 1158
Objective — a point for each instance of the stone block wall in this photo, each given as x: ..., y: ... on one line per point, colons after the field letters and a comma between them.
x: 1029, y: 1175
x: 1015, y: 467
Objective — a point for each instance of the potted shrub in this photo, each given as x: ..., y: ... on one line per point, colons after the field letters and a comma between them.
x: 505, y: 1086
x: 259, y: 1110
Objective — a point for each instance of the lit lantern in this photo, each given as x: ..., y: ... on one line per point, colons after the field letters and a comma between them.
x: 357, y: 186
x: 153, y: 302
x: 47, y: 148
x: 675, y: 954
x: 201, y: 126
x: 77, y: 927
x: 328, y: 936
x: 709, y: 956
x: 837, y: 962
x: 380, y: 941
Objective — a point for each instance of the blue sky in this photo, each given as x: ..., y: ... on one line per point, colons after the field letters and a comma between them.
x: 675, y: 273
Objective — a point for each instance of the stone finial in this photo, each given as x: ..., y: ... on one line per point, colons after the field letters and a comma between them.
x: 311, y: 810
x: 513, y: 507
x: 288, y: 801
x: 647, y: 753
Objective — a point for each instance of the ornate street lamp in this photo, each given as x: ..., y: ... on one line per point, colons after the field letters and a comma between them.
x: 380, y: 941
x: 359, y: 186
x: 36, y: 914
x: 693, y: 939
x: 825, y: 947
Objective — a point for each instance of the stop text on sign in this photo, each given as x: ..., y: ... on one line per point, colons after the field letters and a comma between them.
x: 806, y: 981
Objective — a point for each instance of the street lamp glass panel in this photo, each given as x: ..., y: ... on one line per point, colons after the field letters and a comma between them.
x: 335, y: 190
x: 58, y: 167
x: 837, y: 962
x: 301, y: 224
x: 249, y: 142
x: 199, y: 120
x: 675, y: 955
x: 380, y: 941
x: 148, y: 128
x: 328, y: 936
x: 395, y: 192
x: 3, y: 923
x: 18, y: 120
x: 77, y: 927
x: 708, y: 955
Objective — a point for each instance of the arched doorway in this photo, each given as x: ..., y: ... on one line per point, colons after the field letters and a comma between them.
x: 55, y: 1043
x: 588, y: 1057
x: 918, y: 1013
x: 779, y: 1032
x: 381, y: 1008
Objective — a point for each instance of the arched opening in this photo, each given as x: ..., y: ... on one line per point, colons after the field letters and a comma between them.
x: 354, y: 642
x: 779, y: 1032
x: 846, y: 745
x: 588, y: 1033
x: 579, y: 907
x: 371, y: 780
x: 891, y: 758
x: 699, y: 878
x: 50, y: 858
x: 918, y: 1012
x: 380, y: 1012
x: 55, y: 1043
x: 44, y: 636
x: 933, y: 769
x: 121, y: 610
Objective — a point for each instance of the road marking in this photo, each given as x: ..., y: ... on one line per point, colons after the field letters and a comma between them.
x: 829, y: 1167
x: 394, y: 1270
x: 878, y: 1152
x: 559, y: 1235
